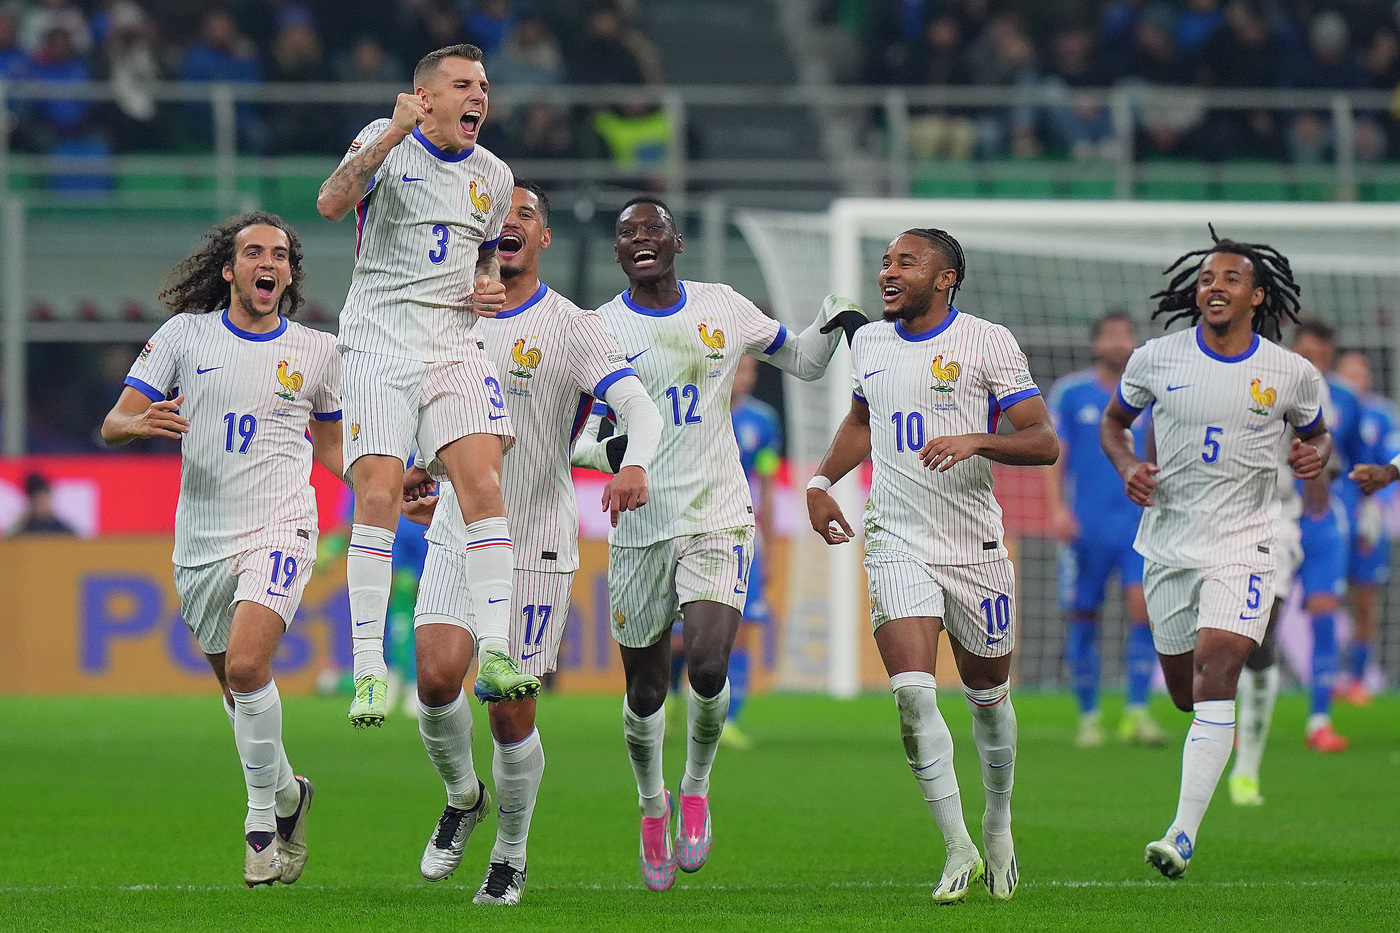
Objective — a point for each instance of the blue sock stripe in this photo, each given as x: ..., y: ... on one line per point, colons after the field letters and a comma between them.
x: 1206, y: 722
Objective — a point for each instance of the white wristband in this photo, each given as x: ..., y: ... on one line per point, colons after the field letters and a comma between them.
x: 819, y: 482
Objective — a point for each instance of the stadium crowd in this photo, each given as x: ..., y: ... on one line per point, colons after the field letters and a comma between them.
x: 1051, y: 52
x: 530, y: 43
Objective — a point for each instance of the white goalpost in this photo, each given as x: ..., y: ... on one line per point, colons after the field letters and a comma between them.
x: 1047, y: 270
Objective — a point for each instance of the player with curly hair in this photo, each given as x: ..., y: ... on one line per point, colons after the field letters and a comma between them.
x: 241, y: 387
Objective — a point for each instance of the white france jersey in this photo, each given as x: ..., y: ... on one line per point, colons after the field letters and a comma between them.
x: 246, y: 470
x: 420, y: 227
x: 686, y: 356
x: 554, y: 358
x: 955, y: 379
x: 1220, y: 423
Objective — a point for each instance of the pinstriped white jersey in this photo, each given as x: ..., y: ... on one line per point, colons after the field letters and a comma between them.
x: 1220, y: 424
x: 686, y: 356
x: 554, y: 358
x: 245, y: 476
x: 419, y: 229
x: 955, y: 379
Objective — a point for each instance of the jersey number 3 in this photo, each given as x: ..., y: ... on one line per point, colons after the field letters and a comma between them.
x: 439, y: 252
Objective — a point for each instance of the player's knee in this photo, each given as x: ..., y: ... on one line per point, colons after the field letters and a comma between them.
x: 437, y: 686
x: 707, y: 675
x: 646, y: 695
x: 245, y: 673
x: 1261, y: 658
x: 511, y: 720
x: 377, y: 506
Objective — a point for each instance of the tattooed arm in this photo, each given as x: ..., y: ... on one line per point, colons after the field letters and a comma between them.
x: 348, y: 183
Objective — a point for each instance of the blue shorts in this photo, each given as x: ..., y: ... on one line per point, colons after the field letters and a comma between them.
x: 1085, y: 567
x: 756, y: 606
x: 1324, y: 567
x: 1371, y: 569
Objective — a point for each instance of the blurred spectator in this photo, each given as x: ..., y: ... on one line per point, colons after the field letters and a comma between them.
x: 1080, y: 126
x: 611, y: 51
x: 1116, y: 32
x: 129, y: 60
x: 1197, y: 23
x: 425, y: 25
x: 1382, y: 62
x: 12, y: 54
x: 488, y: 23
x: 638, y: 136
x: 1166, y: 124
x: 225, y: 54
x: 39, y: 517
x: 1243, y: 54
x: 936, y: 60
x: 297, y: 57
x: 1330, y: 62
x: 529, y: 57
x: 56, y: 60
x: 49, y: 15
x: 1003, y: 54
x: 367, y: 63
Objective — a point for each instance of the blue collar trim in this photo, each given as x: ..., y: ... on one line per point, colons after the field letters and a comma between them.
x: 1201, y: 342
x: 237, y: 331
x: 437, y: 153
x: 928, y: 335
x: 526, y: 305
x: 655, y: 312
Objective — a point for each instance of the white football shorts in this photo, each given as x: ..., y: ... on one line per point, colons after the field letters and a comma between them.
x: 539, y: 607
x: 1180, y: 600
x: 388, y: 402
x: 647, y: 586
x: 274, y: 577
x: 977, y: 602
x: 1288, y: 556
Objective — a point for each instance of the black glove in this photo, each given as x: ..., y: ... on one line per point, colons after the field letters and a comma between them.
x: 842, y: 312
x: 617, y: 449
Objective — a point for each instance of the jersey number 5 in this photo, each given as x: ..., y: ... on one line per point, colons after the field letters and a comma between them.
x: 1212, y: 451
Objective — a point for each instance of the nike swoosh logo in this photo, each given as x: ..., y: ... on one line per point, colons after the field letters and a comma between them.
x: 498, y: 417
x: 635, y: 355
x: 406, y: 178
x: 492, y: 602
x: 929, y: 765
x: 999, y: 767
x: 271, y: 593
x: 875, y: 373
x: 1199, y: 737
x: 370, y: 622
x: 1245, y: 618
x: 504, y: 811
x: 533, y: 654
x: 200, y: 372
x: 255, y: 768
x: 1174, y: 388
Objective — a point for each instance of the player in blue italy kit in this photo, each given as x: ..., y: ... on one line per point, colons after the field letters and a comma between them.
x: 1368, y: 565
x: 1098, y: 529
x: 1326, y: 533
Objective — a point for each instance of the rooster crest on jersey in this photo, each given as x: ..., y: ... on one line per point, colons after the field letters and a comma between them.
x: 714, y: 339
x: 525, y: 360
x: 291, y: 381
x: 481, y: 201
x: 944, y: 375
x: 1263, y: 398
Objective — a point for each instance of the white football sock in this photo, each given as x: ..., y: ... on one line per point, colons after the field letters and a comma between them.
x: 704, y: 722
x: 369, y: 571
x: 517, y: 769
x: 1257, y: 692
x: 644, y: 735
x: 288, y: 790
x: 489, y: 568
x: 257, y: 731
x: 1203, y: 760
x: 928, y: 746
x: 994, y: 730
x: 447, y: 735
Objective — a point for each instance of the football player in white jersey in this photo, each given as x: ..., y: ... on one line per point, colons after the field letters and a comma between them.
x: 931, y: 383
x: 688, y: 552
x: 557, y: 358
x: 429, y: 203
x: 242, y: 387
x: 1223, y: 398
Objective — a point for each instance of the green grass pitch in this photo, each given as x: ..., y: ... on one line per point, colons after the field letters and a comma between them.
x: 126, y: 814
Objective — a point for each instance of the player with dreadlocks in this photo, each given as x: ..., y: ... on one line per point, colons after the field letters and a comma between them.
x: 930, y: 384
x: 1223, y: 399
x: 252, y: 387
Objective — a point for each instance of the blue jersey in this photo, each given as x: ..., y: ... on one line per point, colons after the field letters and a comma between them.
x: 1101, y: 506
x: 1380, y: 435
x: 1347, y: 442
x: 760, y: 437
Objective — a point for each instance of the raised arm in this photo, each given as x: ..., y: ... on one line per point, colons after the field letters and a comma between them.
x: 135, y: 415
x: 807, y: 355
x: 848, y: 450
x: 1033, y: 443
x: 1116, y: 437
x: 349, y: 183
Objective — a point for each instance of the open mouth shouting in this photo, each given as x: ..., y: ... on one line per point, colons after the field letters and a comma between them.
x: 890, y: 293
x: 644, y: 258
x: 511, y: 243
x: 471, y: 122
x: 265, y: 285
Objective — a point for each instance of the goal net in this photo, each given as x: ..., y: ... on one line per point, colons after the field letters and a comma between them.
x: 1047, y: 270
